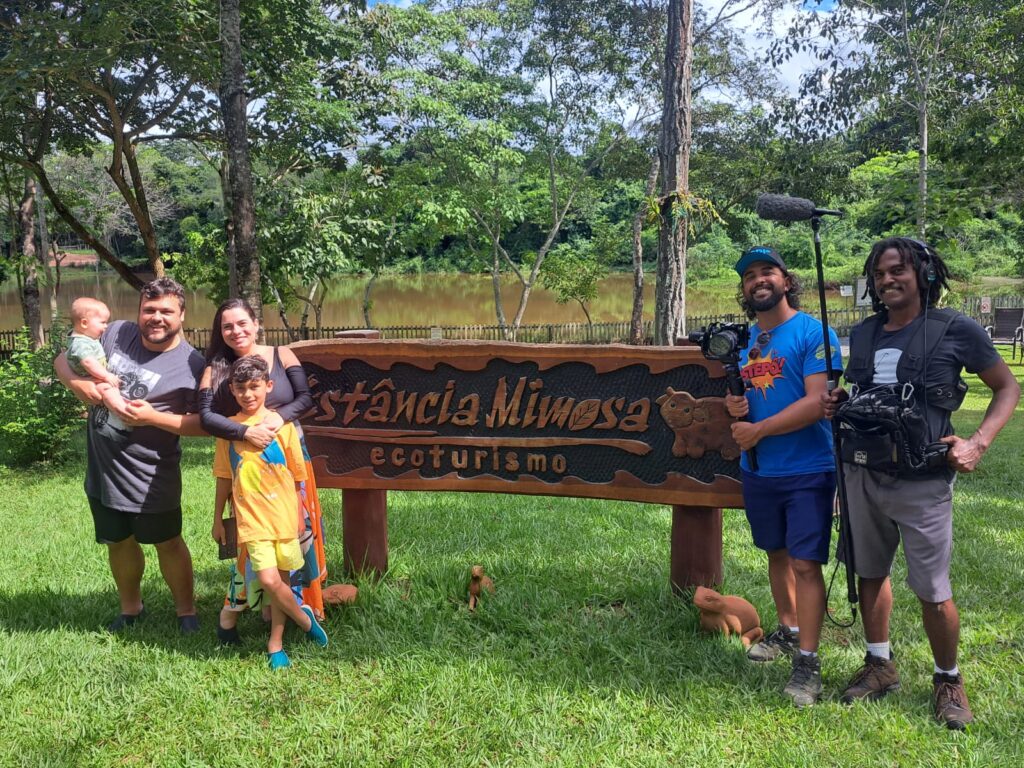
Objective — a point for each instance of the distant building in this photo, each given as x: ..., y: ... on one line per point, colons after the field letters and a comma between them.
x: 68, y: 259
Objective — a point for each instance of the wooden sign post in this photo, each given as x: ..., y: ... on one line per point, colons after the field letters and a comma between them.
x: 613, y: 421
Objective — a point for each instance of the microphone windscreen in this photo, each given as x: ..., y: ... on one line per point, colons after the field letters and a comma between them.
x: 784, y: 208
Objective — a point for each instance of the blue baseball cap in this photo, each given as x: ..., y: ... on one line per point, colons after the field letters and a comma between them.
x: 759, y: 253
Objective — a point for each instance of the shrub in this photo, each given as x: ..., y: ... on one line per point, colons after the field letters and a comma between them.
x: 38, y: 415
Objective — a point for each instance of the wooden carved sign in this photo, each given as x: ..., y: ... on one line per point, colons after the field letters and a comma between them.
x: 612, y: 421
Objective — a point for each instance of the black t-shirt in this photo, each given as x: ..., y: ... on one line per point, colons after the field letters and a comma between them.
x: 137, y: 469
x: 966, y: 346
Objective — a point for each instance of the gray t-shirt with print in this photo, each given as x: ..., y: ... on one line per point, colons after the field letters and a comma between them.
x: 137, y: 469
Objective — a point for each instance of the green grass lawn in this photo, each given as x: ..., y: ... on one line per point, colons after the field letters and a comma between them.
x: 584, y: 657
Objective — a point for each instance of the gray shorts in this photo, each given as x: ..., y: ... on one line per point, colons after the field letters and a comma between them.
x: 884, y: 509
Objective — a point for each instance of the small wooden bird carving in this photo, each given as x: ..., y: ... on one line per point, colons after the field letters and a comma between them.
x: 478, y: 582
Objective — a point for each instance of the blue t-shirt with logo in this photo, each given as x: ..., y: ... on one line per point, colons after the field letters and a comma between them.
x: 774, y: 373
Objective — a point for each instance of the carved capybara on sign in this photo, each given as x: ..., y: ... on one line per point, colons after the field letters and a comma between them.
x: 700, y: 425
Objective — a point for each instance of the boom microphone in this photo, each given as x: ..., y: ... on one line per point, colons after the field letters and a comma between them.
x: 786, y: 208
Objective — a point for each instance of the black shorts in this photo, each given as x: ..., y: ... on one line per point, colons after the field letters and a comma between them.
x: 115, y: 525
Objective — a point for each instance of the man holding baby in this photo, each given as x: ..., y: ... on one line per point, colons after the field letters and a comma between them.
x: 133, y: 478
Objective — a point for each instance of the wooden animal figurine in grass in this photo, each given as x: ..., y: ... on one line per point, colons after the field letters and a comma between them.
x: 340, y: 594
x: 729, y: 614
x: 478, y: 582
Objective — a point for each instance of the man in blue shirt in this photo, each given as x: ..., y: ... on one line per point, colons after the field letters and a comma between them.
x: 789, y: 498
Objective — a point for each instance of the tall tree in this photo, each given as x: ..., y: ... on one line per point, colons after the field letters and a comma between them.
x: 83, y: 69
x: 27, y: 245
x: 43, y: 258
x: 674, y: 155
x: 880, y: 55
x: 241, y: 226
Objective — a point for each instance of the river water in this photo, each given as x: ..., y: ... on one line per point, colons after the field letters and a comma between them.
x: 400, y: 300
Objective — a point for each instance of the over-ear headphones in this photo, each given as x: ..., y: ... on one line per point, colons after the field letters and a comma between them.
x: 927, y: 260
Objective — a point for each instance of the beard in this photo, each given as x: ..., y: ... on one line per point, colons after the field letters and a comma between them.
x: 768, y: 302
x: 159, y: 335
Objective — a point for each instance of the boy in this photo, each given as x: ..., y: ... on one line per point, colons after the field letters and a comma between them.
x: 263, y: 486
x: 85, y: 355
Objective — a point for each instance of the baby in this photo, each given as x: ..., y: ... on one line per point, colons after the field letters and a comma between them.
x: 85, y: 355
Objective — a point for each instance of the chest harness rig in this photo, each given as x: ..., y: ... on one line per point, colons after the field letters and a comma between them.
x: 885, y: 427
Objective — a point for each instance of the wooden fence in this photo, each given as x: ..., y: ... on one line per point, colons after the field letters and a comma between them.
x: 841, y: 320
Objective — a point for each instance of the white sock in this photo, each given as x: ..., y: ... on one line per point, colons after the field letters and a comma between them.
x: 812, y: 654
x: 952, y: 672
x: 881, y: 650
x: 795, y: 630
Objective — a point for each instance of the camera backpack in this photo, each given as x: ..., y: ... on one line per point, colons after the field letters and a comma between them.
x: 884, y: 426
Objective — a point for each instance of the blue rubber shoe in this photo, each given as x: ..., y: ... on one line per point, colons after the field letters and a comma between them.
x: 315, y: 632
x: 188, y: 625
x: 278, y: 660
x: 126, y: 620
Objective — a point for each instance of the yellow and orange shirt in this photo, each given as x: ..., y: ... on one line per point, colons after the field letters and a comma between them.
x: 263, y: 482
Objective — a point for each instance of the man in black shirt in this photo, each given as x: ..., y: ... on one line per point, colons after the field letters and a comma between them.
x: 920, y: 351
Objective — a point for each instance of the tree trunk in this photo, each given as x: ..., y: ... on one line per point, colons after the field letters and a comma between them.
x: 246, y: 265
x: 43, y: 254
x: 366, y: 300
x: 586, y: 313
x: 318, y: 308
x: 499, y: 307
x: 922, y: 170
x: 636, y: 322
x: 293, y: 335
x: 229, y: 230
x: 674, y: 153
x: 57, y: 260
x: 140, y: 210
x: 30, y: 288
x: 102, y: 250
x: 307, y: 302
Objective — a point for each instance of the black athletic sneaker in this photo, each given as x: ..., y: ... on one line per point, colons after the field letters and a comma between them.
x: 804, y: 686
x: 779, y: 643
x: 188, y: 624
x: 126, y: 620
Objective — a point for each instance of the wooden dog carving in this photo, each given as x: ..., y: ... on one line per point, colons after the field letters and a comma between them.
x: 729, y: 614
x: 479, y: 582
x: 340, y: 594
x: 699, y: 425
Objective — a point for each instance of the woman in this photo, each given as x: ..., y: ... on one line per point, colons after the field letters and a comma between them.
x: 234, y: 334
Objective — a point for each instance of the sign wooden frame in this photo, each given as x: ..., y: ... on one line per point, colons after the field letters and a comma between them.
x: 523, y: 407
x: 681, y: 431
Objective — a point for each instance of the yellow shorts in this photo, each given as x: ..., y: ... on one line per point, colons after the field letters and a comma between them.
x: 284, y: 555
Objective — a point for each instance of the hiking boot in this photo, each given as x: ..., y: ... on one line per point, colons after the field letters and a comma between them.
x: 950, y: 699
x: 804, y: 686
x: 872, y: 681
x: 779, y: 643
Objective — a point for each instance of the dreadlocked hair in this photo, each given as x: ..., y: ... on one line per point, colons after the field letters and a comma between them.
x: 918, y: 255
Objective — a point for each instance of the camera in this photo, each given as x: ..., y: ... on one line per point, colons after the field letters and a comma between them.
x: 722, y: 341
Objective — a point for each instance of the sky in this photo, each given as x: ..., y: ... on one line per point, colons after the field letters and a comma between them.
x: 788, y: 73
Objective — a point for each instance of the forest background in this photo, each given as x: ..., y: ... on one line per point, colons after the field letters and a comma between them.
x: 516, y: 138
